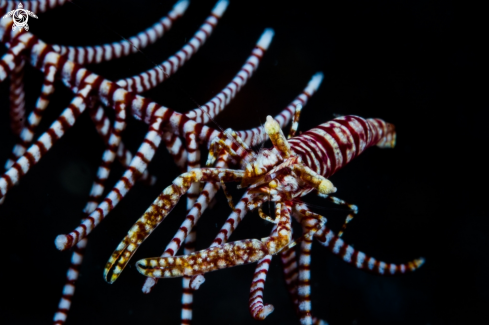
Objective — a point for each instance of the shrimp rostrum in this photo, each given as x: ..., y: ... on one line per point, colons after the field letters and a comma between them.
x: 283, y: 174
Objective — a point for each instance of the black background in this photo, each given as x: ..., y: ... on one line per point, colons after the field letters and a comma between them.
x: 413, y: 63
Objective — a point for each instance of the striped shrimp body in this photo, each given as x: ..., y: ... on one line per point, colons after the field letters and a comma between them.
x: 281, y: 174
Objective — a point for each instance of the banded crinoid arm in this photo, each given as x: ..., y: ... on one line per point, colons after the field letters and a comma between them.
x: 153, y: 77
x: 173, y: 143
x: 47, y: 139
x: 27, y: 134
x: 185, y: 53
x: 102, y: 124
x: 258, y: 135
x: 188, y: 132
x: 16, y: 90
x: 205, y: 113
x: 43, y: 57
x: 291, y: 274
x: 85, y: 55
x: 113, y: 142
x: 158, y: 211
x: 109, y: 93
x: 257, y: 309
x: 32, y: 5
x: 359, y: 259
x: 18, y: 43
x: 298, y: 276
x: 17, y: 97
x: 94, y: 54
x: 106, y: 52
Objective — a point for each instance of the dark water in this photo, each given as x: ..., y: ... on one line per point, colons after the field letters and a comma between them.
x: 413, y: 63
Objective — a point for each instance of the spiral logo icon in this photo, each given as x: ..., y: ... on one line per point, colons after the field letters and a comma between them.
x: 20, y: 16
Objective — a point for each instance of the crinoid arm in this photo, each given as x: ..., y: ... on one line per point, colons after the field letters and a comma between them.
x: 338, y: 246
x: 106, y: 52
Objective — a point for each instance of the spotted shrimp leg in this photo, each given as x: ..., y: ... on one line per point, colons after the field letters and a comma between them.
x: 158, y: 211
x: 221, y: 256
x: 352, y: 207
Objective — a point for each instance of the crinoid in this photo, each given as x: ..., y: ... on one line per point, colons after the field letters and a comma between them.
x: 119, y: 124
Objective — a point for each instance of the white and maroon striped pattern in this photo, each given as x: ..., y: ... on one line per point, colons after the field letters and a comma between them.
x: 349, y: 254
x: 36, y: 6
x: 193, y: 161
x: 112, y: 136
x: 140, y: 162
x: 151, y: 78
x: 258, y: 135
x: 46, y: 140
x: 361, y: 260
x: 106, y: 52
x: 108, y: 156
x: 27, y: 133
x: 331, y: 145
x: 185, y: 125
x: 290, y: 270
x: 233, y: 220
x: 210, y: 110
x: 17, y: 96
x: 291, y: 273
x: 113, y: 142
x: 18, y: 43
x: 102, y: 124
x: 304, y: 282
x: 188, y: 292
x: 69, y: 287
x: 109, y: 93
x: 96, y: 192
x: 176, y: 149
x: 257, y: 310
x: 280, y: 234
